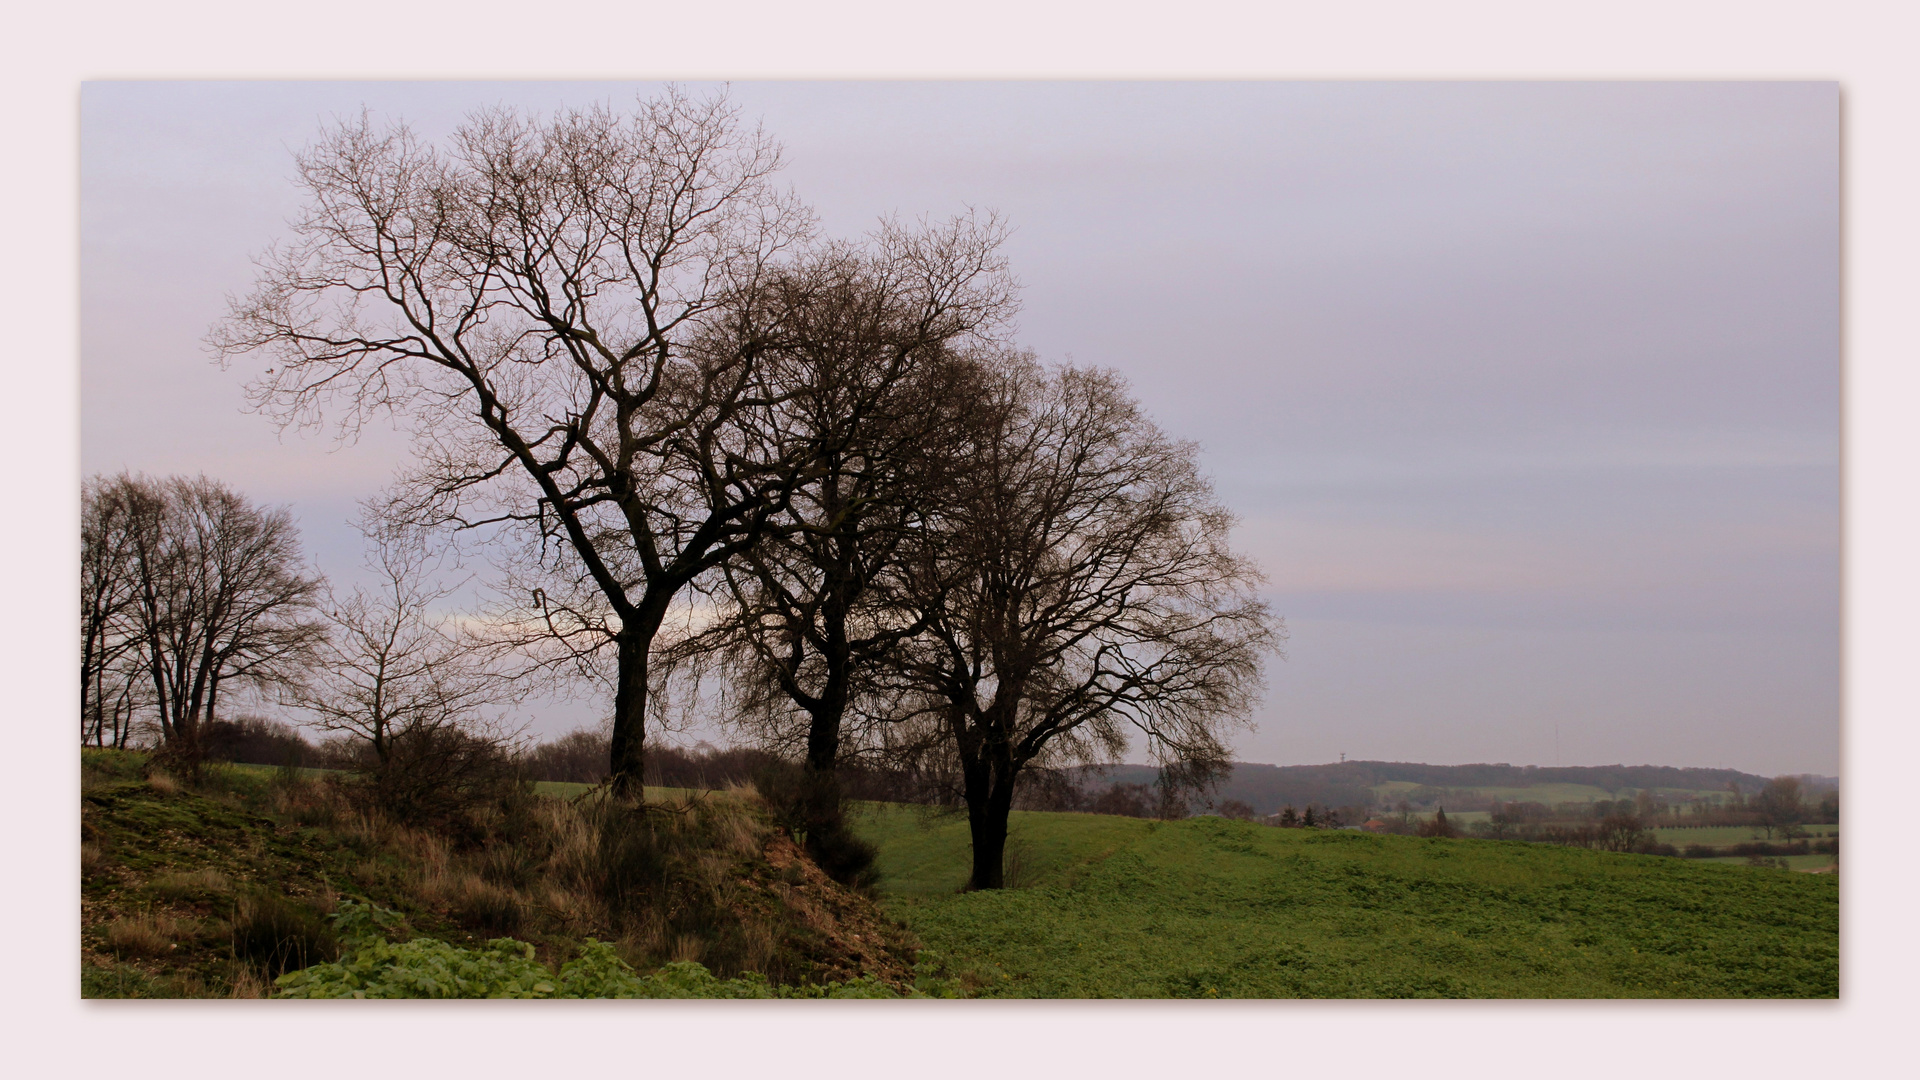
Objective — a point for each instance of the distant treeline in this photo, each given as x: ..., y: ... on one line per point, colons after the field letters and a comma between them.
x: 1269, y: 788
x: 1341, y: 792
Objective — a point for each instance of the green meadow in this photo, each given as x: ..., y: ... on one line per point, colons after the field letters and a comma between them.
x: 1124, y: 907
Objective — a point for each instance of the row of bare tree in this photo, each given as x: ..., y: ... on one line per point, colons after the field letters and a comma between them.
x: 813, y: 482
x: 190, y: 591
x: 187, y: 590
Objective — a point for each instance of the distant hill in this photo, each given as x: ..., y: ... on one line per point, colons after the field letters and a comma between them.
x: 1269, y: 787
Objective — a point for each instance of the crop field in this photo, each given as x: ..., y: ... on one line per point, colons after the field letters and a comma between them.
x: 1124, y: 907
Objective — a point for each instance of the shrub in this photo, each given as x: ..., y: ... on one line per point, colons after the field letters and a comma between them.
x: 1124, y: 800
x: 807, y: 804
x: 444, y: 778
x: 1237, y: 810
x: 488, y: 907
x: 254, y: 740
x: 578, y: 757
x: 279, y: 936
x: 1438, y: 826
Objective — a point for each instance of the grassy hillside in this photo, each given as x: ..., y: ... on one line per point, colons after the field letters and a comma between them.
x: 1122, y: 907
x: 216, y: 888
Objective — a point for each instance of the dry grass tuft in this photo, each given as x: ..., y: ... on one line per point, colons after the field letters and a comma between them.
x: 163, y: 783
x: 142, y: 935
x: 248, y: 983
x: 197, y: 885
x: 477, y: 902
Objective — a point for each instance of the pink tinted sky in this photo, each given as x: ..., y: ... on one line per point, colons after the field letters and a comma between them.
x: 1527, y: 394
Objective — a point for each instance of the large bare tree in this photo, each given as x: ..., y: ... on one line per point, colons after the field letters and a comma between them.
x: 570, y: 313
x: 872, y: 367
x: 1077, y: 592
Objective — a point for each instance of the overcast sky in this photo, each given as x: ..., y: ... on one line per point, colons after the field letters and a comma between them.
x: 1527, y: 395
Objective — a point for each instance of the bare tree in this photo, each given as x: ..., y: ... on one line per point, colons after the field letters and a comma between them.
x: 392, y: 665
x: 220, y: 598
x: 1077, y: 591
x: 570, y: 313
x: 1779, y: 804
x: 872, y: 382
x: 109, y: 637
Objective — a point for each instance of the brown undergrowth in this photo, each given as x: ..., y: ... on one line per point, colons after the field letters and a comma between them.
x: 212, y: 888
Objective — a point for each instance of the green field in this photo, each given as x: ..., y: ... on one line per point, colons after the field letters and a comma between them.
x: 1123, y: 907
x: 1800, y: 863
x: 1728, y: 835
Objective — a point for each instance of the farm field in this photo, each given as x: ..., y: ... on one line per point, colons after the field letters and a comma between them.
x: 1725, y: 835
x: 1125, y: 907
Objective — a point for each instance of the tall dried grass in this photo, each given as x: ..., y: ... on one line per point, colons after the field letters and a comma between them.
x: 197, y: 885
x: 664, y: 881
x: 143, y: 935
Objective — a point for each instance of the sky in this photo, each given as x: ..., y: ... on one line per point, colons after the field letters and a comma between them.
x: 1527, y: 395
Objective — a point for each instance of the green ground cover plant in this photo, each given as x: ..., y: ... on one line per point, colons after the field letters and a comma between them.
x: 1121, y: 907
x: 372, y: 966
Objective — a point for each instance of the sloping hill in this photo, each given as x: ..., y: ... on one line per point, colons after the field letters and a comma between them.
x: 214, y: 890
x: 1124, y: 907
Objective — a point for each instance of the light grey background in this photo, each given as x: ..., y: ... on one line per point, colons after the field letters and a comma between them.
x: 1527, y: 394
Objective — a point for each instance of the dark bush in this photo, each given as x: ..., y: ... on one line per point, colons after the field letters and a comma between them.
x: 1438, y: 826
x: 705, y: 767
x: 280, y: 936
x: 1237, y: 810
x: 1124, y: 800
x: 578, y: 757
x: 255, y: 740
x: 491, y: 909
x: 461, y: 784
x: 1055, y: 790
x: 1765, y: 849
x: 807, y: 803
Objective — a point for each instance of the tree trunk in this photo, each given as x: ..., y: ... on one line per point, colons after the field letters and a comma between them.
x: 629, y: 761
x: 989, y: 804
x: 824, y: 718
